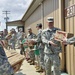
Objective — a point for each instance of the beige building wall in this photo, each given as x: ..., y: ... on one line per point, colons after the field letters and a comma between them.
x: 33, y: 20
x: 51, y: 8
x: 70, y: 49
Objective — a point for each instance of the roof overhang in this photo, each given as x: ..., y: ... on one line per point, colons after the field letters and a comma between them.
x: 34, y: 4
x: 31, y: 9
x: 15, y: 23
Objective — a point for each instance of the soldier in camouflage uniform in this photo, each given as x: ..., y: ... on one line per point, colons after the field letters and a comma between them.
x: 31, y: 53
x: 40, y: 47
x: 13, y: 39
x: 52, y: 48
x: 5, y: 67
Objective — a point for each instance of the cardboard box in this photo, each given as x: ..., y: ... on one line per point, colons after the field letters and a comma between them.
x: 14, y: 59
x: 60, y: 35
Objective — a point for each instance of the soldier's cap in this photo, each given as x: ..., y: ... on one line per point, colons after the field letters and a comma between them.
x: 39, y: 25
x: 50, y: 19
x: 29, y: 28
x: 13, y: 29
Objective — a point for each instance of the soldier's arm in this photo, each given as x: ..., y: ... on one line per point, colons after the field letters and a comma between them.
x: 34, y: 36
x: 38, y: 39
x: 71, y: 40
x: 44, y: 40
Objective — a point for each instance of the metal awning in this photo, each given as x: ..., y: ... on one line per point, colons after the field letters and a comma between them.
x: 15, y: 23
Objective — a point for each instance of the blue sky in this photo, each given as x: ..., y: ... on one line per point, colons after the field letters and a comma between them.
x: 17, y: 9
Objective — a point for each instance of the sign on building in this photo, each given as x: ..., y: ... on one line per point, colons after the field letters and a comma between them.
x: 70, y: 11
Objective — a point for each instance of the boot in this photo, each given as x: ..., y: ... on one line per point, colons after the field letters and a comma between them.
x: 32, y: 63
x: 44, y: 73
x: 27, y: 59
x: 39, y: 70
x: 36, y: 66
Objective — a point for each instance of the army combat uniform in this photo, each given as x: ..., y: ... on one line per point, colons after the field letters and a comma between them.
x: 40, y: 47
x: 13, y: 41
x: 71, y: 40
x: 31, y: 53
x: 51, y: 53
x: 5, y: 67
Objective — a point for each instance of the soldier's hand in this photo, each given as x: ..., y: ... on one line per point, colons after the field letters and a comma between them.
x: 64, y: 42
x: 26, y: 43
x: 50, y: 42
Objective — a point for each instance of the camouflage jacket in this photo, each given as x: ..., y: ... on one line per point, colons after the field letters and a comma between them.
x: 5, y: 67
x: 71, y: 40
x: 48, y: 35
x: 38, y: 40
x: 31, y: 36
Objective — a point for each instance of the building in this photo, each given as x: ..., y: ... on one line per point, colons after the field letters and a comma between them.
x: 63, y: 12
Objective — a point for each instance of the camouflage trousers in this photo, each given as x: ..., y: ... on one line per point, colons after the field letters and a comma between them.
x: 37, y: 60
x: 31, y: 54
x: 52, y: 60
x: 41, y: 58
x: 13, y: 45
x: 5, y: 67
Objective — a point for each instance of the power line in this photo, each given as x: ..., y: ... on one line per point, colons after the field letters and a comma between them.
x: 6, y: 16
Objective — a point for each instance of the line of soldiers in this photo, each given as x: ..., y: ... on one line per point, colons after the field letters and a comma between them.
x: 46, y: 49
x: 43, y: 49
x: 3, y: 34
x: 5, y: 67
x: 7, y: 40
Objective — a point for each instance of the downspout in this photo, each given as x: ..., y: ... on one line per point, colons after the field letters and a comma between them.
x: 61, y: 26
x: 42, y: 14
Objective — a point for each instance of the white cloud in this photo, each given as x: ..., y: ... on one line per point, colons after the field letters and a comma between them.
x: 17, y: 9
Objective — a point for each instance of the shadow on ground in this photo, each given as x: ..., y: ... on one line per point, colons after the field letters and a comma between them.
x: 20, y: 73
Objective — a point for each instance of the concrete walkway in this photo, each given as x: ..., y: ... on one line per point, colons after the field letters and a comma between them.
x: 27, y: 69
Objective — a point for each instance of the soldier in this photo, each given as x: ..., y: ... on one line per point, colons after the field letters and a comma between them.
x: 40, y: 48
x: 5, y: 67
x: 52, y: 48
x: 1, y: 35
x: 31, y: 35
x: 13, y: 39
x: 5, y: 33
x: 69, y: 41
x: 19, y: 37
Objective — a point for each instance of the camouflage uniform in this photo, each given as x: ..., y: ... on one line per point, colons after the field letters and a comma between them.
x: 51, y: 52
x: 31, y: 53
x: 71, y: 40
x: 13, y: 41
x: 40, y: 47
x: 5, y: 67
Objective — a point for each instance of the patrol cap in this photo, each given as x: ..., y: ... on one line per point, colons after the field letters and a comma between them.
x: 29, y: 28
x: 13, y: 29
x: 50, y: 19
x: 39, y: 25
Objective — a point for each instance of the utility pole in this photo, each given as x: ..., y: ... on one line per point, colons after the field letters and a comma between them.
x: 6, y: 18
